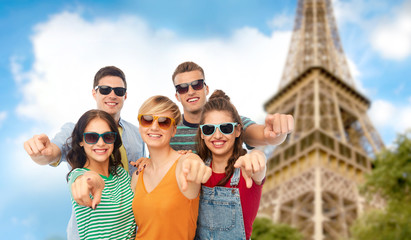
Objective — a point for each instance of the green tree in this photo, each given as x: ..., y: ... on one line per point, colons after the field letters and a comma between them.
x: 265, y: 229
x: 390, y: 180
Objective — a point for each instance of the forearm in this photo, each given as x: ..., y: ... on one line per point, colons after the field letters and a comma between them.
x: 254, y: 136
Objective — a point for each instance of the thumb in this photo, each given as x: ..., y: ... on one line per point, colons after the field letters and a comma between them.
x: 248, y: 180
x: 186, y: 167
x: 183, y: 181
x: 46, y: 152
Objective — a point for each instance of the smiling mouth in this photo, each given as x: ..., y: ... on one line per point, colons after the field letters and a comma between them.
x: 100, y: 151
x: 190, y: 100
x: 154, y: 135
x: 218, y: 144
x: 111, y: 104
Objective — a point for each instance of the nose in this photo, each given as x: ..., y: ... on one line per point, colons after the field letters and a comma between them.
x: 112, y: 94
x: 218, y: 134
x: 191, y: 90
x: 100, y: 141
x: 155, y: 125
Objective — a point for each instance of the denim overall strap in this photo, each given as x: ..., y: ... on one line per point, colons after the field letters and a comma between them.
x: 220, y: 213
x: 235, y: 179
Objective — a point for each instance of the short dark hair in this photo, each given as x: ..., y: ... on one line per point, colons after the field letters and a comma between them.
x: 187, y: 67
x: 109, y: 71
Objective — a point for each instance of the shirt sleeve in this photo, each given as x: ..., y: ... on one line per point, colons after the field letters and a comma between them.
x: 74, y: 175
x: 62, y: 140
x: 246, y: 123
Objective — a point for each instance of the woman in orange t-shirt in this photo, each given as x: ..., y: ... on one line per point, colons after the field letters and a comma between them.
x: 166, y: 199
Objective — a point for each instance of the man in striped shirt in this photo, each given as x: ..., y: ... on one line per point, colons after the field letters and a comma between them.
x: 192, y: 91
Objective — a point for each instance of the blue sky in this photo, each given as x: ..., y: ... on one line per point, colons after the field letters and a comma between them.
x: 50, y: 51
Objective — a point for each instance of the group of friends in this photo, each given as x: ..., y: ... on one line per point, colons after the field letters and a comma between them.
x: 196, y: 181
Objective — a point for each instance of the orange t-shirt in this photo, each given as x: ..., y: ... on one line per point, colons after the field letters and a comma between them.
x: 164, y: 213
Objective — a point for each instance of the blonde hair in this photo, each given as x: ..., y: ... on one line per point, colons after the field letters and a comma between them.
x: 160, y: 104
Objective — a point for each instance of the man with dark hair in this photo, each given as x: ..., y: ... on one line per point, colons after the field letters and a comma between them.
x: 110, y: 92
x: 192, y: 90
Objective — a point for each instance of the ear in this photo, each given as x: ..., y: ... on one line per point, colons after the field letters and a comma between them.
x: 178, y: 97
x: 238, y: 130
x: 125, y: 96
x: 94, y: 93
x: 81, y: 144
x: 206, y: 90
x: 174, y: 131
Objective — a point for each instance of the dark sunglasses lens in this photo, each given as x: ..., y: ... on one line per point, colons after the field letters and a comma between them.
x: 164, y: 122
x: 146, y: 120
x: 208, y: 129
x: 119, y: 91
x: 182, y: 88
x: 227, y: 128
x: 105, y: 90
x: 91, y: 138
x: 109, y: 138
x: 198, y: 84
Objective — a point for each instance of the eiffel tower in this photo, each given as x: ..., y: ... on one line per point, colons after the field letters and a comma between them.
x: 312, y: 178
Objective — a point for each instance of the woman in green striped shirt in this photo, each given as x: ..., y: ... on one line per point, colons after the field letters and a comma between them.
x: 96, y: 165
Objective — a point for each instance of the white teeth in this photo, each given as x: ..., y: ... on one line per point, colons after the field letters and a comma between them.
x: 192, y: 99
x: 111, y: 104
x: 99, y: 151
x: 154, y: 135
x: 218, y: 143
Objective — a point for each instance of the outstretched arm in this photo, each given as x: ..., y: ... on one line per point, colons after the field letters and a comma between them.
x: 41, y: 150
x: 273, y: 132
x: 190, y: 173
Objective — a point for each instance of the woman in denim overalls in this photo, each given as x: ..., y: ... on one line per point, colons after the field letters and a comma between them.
x: 229, y: 200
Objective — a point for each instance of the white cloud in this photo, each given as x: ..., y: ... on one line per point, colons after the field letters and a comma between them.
x: 281, y: 21
x: 68, y: 50
x: 385, y: 114
x: 3, y: 117
x: 392, y: 37
x: 356, y: 76
x: 33, y: 179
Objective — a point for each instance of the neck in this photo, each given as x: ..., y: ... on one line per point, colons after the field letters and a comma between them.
x: 219, y: 163
x: 116, y: 118
x: 192, y: 117
x: 100, y: 168
x: 161, y: 156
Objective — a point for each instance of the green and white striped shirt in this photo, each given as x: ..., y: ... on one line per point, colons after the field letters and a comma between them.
x: 185, y: 138
x: 113, y: 217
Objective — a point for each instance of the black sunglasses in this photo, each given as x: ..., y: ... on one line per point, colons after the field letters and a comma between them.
x: 225, y: 128
x: 105, y: 90
x: 93, y: 137
x: 196, y: 85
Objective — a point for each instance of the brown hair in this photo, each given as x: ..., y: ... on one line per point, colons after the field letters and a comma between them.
x: 77, y: 157
x: 159, y: 104
x: 219, y: 101
x: 187, y: 67
x: 109, y: 71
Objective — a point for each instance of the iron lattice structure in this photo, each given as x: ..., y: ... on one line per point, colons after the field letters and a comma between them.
x: 312, y: 178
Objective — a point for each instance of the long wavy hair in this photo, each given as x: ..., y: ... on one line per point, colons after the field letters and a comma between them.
x: 219, y: 101
x: 77, y: 157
